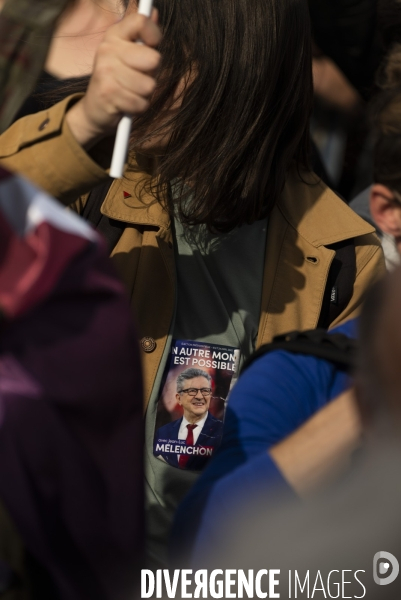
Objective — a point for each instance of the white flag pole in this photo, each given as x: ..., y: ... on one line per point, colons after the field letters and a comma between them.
x: 120, y: 150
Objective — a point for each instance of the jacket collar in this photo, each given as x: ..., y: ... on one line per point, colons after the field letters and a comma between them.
x: 304, y: 203
x: 124, y: 204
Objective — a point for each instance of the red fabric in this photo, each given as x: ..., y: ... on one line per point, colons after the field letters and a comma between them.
x: 71, y: 423
x: 184, y: 458
x: 31, y: 266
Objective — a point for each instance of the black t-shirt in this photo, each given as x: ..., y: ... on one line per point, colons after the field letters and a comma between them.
x: 48, y: 91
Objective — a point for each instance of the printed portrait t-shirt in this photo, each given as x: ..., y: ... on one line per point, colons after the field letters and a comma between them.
x: 218, y: 297
x: 192, y: 402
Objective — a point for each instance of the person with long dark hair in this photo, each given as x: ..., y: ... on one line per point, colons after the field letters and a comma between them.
x: 220, y: 230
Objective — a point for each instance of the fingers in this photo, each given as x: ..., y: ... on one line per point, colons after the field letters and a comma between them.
x: 135, y: 56
x: 129, y: 103
x: 122, y: 87
x: 144, y: 84
x: 123, y: 78
x: 119, y: 40
x: 134, y: 27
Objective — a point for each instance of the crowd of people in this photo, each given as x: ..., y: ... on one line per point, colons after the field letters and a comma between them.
x: 185, y: 377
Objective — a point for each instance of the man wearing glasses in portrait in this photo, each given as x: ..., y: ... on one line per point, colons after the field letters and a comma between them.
x: 189, y: 442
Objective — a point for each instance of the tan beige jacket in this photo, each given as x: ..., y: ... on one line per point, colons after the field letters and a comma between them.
x: 307, y: 217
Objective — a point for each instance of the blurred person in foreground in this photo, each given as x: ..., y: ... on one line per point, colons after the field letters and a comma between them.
x: 71, y: 408
x: 71, y: 506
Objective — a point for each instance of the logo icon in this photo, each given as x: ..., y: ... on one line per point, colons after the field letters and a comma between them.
x: 385, y: 563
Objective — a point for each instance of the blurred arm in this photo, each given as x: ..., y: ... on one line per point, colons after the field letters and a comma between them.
x: 321, y: 449
x: 331, y: 85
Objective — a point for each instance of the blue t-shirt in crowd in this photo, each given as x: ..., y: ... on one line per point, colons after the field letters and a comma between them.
x: 274, y: 396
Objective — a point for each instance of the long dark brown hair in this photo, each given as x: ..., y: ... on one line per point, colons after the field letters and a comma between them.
x: 245, y: 112
x: 244, y: 117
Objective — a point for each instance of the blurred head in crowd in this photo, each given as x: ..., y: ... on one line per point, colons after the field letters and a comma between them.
x: 234, y: 96
x: 379, y: 377
x: 385, y: 200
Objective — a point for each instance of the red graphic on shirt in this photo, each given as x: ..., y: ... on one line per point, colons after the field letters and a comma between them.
x: 183, y: 458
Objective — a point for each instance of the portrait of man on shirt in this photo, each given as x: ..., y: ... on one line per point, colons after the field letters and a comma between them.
x: 189, y: 442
